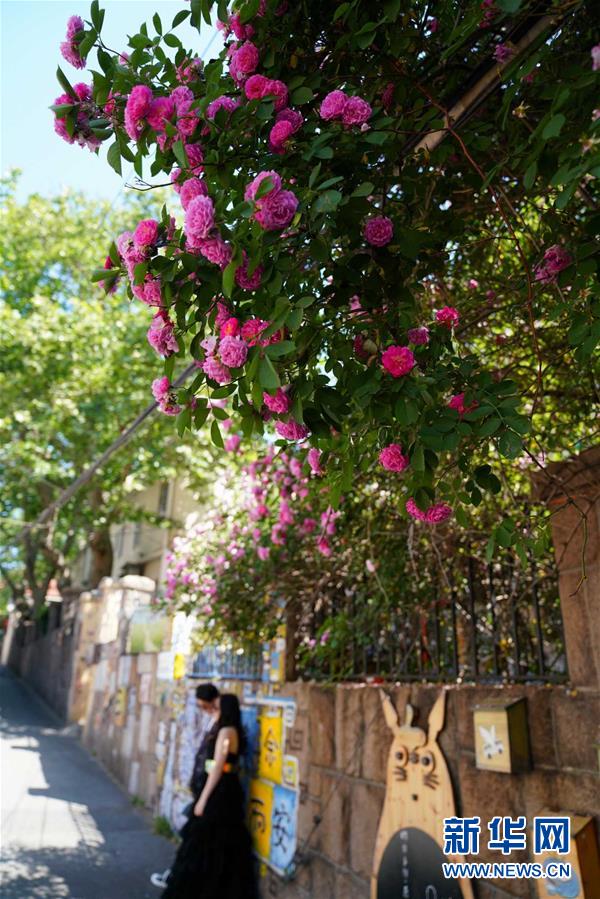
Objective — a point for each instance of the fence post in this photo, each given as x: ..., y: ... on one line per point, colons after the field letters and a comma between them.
x: 571, y: 490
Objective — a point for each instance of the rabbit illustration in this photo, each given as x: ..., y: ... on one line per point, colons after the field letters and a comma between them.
x: 418, y: 798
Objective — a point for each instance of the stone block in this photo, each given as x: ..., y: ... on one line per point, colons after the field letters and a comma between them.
x: 366, y: 802
x: 349, y: 728
x: 541, y: 730
x: 577, y: 792
x: 349, y: 887
x: 334, y: 830
x: 574, y: 717
x: 578, y: 627
x: 323, y: 879
x: 377, y: 738
x: 322, y: 726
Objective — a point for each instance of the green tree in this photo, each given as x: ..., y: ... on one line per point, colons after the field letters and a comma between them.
x: 76, y: 370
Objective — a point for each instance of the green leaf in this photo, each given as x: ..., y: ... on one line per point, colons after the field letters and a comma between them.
x: 157, y: 23
x: 66, y: 84
x: 530, y: 174
x: 215, y: 434
x: 554, y: 126
x: 328, y: 201
x: 488, y: 427
x: 181, y: 16
x: 341, y: 9
x: 275, y: 350
x: 113, y: 158
x: 364, y: 189
x: 417, y: 459
x: 301, y: 96
x: 267, y: 375
x: 229, y: 277
x: 180, y: 155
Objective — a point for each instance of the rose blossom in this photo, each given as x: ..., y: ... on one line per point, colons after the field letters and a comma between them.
x: 243, y: 62
x: 252, y: 188
x: 398, y: 360
x: 191, y: 189
x: 233, y: 352
x: 457, y: 402
x: 503, y: 53
x: 314, y: 460
x: 160, y: 389
x: 246, y: 281
x: 230, y: 328
x: 555, y: 260
x: 279, y: 135
x: 160, y: 335
x: 263, y: 553
x: 70, y: 47
x: 356, y: 111
x: 435, y: 514
x: 392, y: 458
x: 146, y: 233
x: 378, y: 231
x: 86, y: 110
x: 595, y: 51
x: 216, y: 250
x: 291, y: 430
x: 253, y: 328
x: 418, y: 336
x: 216, y: 371
x: 448, y: 317
x: 333, y: 105
x: 229, y: 104
x: 279, y: 402
x: 199, y: 219
x: 277, y: 210
x: 136, y: 109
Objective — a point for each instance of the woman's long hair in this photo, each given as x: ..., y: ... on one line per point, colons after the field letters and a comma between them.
x: 231, y: 716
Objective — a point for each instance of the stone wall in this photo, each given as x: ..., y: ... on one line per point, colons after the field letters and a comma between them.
x: 342, y: 741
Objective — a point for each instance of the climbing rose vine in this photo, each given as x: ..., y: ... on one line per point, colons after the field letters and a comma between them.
x: 335, y: 246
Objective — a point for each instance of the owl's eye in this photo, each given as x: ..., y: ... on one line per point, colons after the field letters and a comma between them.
x: 427, y: 760
x: 401, y: 755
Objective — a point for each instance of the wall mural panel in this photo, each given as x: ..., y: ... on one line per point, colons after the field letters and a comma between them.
x: 408, y: 851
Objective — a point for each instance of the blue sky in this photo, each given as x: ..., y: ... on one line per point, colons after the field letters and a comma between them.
x: 31, y: 31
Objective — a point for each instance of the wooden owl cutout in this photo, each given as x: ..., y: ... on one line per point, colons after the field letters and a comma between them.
x: 408, y: 850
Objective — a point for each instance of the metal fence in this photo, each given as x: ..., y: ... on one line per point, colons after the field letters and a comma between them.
x: 491, y: 623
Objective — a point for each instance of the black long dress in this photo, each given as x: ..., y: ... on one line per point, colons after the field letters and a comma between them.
x: 214, y: 860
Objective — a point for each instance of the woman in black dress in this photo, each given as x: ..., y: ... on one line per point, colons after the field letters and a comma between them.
x: 215, y: 858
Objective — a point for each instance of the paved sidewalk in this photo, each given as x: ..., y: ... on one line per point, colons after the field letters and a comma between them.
x: 67, y: 830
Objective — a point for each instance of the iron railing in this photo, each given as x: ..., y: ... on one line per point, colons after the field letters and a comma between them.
x: 484, y: 622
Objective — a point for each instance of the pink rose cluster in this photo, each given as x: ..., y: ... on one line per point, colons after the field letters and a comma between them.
x: 338, y: 106
x: 258, y: 87
x: 137, y: 247
x: 555, y: 260
x: 143, y: 110
x: 287, y: 123
x: 276, y: 208
x: 86, y: 112
x: 378, y: 230
x: 230, y: 349
x: 199, y: 227
x: 164, y: 396
x: 70, y: 46
x: 392, y: 458
x: 161, y: 336
x: 435, y: 514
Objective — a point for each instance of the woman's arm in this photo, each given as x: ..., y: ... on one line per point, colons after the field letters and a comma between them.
x: 221, y: 751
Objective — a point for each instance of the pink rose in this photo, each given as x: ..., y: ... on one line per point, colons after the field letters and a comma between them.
x: 392, y: 458
x: 199, y: 218
x: 146, y: 233
x: 291, y: 430
x: 448, y: 317
x: 418, y: 336
x: 233, y: 352
x: 191, y: 189
x: 333, y: 105
x: 277, y: 210
x: 398, y: 360
x: 356, y: 111
x: 279, y: 402
x: 378, y: 230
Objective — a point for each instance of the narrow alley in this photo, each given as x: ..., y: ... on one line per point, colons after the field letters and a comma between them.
x: 67, y: 830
